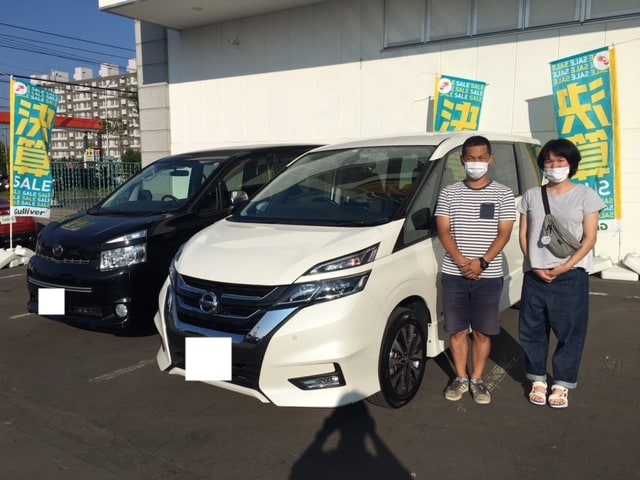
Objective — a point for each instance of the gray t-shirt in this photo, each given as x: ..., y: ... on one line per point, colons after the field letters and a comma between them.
x: 569, y: 208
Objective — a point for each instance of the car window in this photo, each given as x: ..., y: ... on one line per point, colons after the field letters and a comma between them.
x: 284, y: 159
x: 348, y: 187
x: 419, y: 222
x: 504, y: 166
x: 529, y: 175
x: 161, y: 187
x: 453, y: 168
x: 250, y: 174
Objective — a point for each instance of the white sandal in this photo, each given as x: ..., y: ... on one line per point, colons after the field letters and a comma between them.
x: 560, y: 395
x: 538, y: 397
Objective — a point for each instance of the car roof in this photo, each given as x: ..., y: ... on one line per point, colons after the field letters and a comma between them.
x: 444, y: 141
x: 238, y: 150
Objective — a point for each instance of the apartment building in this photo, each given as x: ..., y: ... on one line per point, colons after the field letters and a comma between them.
x: 111, y: 96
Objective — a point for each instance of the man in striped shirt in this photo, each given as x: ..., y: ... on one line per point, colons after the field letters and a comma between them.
x: 474, y: 218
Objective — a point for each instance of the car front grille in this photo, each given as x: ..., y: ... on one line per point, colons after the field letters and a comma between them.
x: 70, y: 254
x: 240, y: 307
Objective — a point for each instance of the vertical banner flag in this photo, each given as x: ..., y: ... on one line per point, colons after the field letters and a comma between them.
x: 33, y: 113
x: 584, y: 100
x: 457, y: 102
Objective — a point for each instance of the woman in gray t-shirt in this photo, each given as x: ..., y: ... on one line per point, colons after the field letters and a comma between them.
x: 555, y: 293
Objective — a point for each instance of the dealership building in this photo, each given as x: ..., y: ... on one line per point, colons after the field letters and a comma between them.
x: 214, y: 72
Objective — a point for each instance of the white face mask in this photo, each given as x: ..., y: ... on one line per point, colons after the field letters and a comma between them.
x: 476, y: 170
x: 557, y: 175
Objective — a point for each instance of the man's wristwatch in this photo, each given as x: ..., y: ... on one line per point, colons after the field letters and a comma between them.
x: 483, y: 263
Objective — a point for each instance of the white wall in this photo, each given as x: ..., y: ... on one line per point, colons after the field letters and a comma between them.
x: 320, y: 74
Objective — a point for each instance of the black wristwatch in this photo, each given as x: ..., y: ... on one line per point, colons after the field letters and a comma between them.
x: 483, y: 263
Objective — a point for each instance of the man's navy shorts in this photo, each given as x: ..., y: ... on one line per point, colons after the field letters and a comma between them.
x: 471, y: 304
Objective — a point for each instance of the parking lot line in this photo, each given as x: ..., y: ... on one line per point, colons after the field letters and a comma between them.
x: 123, y: 371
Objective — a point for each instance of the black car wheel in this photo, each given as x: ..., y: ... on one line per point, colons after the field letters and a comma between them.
x: 402, y: 359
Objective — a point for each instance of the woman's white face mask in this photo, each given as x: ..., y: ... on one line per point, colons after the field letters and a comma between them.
x: 556, y: 175
x: 476, y: 170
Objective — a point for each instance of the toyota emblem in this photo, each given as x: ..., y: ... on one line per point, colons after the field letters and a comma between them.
x: 57, y: 250
x: 208, y: 302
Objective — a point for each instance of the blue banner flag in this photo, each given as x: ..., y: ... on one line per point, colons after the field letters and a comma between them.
x: 32, y: 116
x: 584, y: 101
x: 458, y: 103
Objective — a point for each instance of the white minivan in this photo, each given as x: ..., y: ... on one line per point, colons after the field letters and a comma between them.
x: 326, y: 282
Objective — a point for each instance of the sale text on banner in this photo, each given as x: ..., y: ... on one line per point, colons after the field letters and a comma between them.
x: 584, y: 100
x: 33, y: 113
x: 457, y: 103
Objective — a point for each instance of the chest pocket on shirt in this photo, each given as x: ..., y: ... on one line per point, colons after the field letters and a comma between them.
x: 487, y: 211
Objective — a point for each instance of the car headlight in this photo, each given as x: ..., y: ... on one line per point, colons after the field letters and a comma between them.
x: 348, y: 261
x: 124, y: 255
x: 323, y: 290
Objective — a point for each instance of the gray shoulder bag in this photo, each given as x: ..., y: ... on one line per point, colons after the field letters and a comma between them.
x: 560, y: 242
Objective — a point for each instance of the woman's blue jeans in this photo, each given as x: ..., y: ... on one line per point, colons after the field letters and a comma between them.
x: 561, y: 306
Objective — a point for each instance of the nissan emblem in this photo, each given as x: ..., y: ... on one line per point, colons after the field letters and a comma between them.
x: 208, y: 302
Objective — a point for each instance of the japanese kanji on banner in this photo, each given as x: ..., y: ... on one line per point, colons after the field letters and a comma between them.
x: 33, y: 113
x: 457, y: 102
x: 584, y: 100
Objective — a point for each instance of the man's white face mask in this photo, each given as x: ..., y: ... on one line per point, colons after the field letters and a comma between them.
x: 476, y: 170
x: 556, y: 175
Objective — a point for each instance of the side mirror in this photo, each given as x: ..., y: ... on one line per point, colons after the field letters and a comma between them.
x: 238, y: 197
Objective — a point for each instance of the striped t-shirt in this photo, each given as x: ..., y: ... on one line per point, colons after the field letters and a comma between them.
x: 474, y: 216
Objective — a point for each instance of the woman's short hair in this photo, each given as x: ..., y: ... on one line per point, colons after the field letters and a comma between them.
x: 561, y: 147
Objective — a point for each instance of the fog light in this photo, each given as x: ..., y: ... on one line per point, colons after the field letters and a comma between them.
x: 122, y: 310
x: 324, y: 380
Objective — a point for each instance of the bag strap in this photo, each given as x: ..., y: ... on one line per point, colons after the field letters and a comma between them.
x: 545, y: 200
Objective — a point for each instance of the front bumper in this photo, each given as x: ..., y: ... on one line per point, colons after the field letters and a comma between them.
x: 90, y: 295
x: 338, y: 336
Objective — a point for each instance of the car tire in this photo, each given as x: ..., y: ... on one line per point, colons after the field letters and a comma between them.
x: 402, y: 359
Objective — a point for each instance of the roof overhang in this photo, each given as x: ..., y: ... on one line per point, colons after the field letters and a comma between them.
x: 185, y: 14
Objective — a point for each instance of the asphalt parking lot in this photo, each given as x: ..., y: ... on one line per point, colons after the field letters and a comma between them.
x: 81, y: 404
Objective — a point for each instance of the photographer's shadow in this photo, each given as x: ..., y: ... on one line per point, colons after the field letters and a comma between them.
x: 348, y: 447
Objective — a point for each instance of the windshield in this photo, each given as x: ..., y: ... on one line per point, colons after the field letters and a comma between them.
x: 352, y: 187
x: 163, y: 186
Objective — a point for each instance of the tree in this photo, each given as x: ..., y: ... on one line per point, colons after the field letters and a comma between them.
x: 131, y: 155
x: 116, y: 128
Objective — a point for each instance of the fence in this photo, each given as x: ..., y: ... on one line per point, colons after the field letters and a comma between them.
x: 80, y: 185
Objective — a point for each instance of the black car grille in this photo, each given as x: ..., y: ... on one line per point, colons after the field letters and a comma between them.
x: 240, y: 307
x: 70, y: 254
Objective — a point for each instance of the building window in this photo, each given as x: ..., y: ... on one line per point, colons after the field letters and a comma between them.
x: 403, y: 21
x: 606, y: 8
x: 563, y: 11
x: 497, y: 16
x: 448, y: 19
x: 417, y: 21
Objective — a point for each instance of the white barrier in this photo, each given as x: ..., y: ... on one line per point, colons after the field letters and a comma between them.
x: 14, y: 257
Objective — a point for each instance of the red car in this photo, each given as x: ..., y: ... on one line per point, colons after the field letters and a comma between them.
x: 25, y: 229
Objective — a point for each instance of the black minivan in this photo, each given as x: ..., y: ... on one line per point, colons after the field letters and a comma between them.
x: 112, y: 259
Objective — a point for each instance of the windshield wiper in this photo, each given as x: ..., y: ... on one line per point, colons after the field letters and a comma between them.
x: 362, y: 223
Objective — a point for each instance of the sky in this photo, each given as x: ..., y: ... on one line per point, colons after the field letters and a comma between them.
x: 38, y: 36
